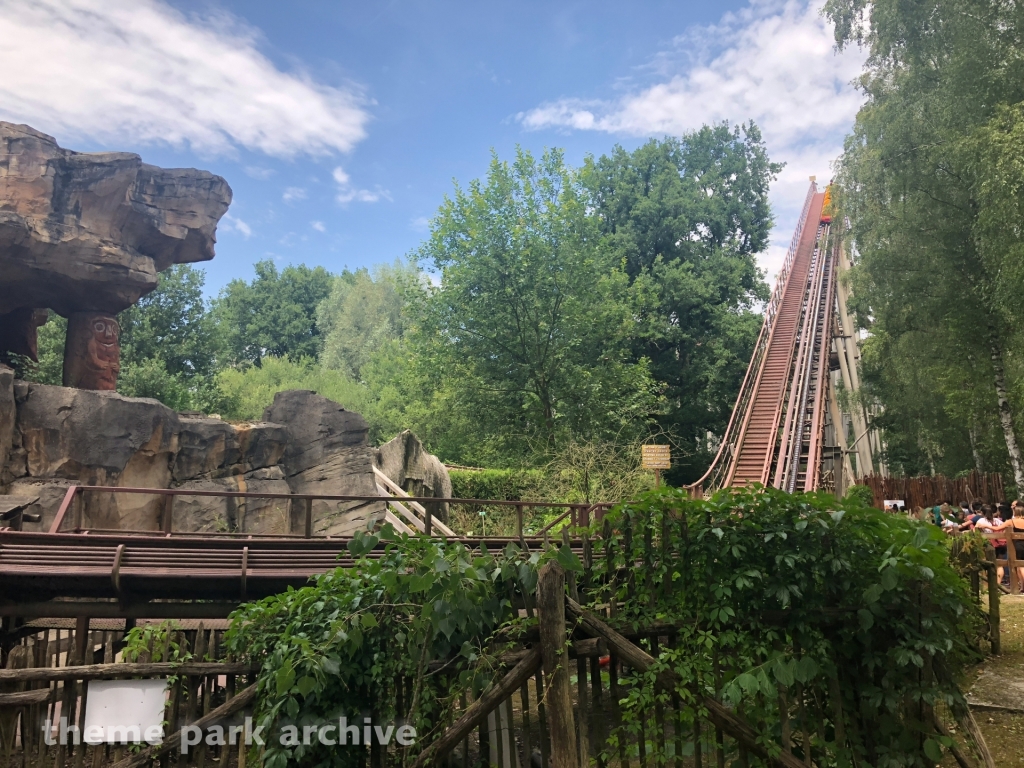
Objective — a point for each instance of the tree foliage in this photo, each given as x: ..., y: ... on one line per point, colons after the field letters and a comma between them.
x: 532, y: 317
x: 169, y: 344
x: 274, y: 315
x: 686, y: 216
x: 249, y: 389
x: 930, y: 180
x: 364, y: 311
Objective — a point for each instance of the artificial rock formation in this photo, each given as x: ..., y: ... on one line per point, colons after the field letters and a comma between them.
x: 408, y: 464
x: 89, y: 232
x: 53, y: 437
x: 327, y: 454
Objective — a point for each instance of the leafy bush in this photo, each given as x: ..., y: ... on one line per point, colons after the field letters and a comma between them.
x: 343, y: 646
x: 860, y: 495
x: 849, y: 620
x: 791, y: 598
x: 251, y: 389
x: 503, y: 484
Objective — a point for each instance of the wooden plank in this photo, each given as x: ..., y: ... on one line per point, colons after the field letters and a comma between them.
x: 398, y: 491
x: 117, y: 671
x: 398, y: 525
x: 401, y: 509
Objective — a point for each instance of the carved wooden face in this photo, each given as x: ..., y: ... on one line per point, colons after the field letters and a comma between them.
x: 104, y: 358
x: 92, y: 359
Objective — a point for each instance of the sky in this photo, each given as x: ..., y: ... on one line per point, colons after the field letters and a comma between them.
x: 341, y: 126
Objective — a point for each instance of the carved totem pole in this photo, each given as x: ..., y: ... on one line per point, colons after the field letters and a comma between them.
x: 92, y: 351
x: 87, y: 235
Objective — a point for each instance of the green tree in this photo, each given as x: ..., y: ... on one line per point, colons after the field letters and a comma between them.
x: 532, y: 319
x: 274, y: 315
x: 928, y: 179
x: 249, y: 390
x: 363, y: 311
x: 172, y: 324
x: 168, y: 345
x: 50, y: 368
x: 687, y: 216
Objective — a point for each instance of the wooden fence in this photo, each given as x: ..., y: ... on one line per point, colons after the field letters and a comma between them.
x: 545, y: 708
x: 47, y: 681
x: 929, y: 491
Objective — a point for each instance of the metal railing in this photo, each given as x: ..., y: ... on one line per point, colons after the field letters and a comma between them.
x: 578, y: 516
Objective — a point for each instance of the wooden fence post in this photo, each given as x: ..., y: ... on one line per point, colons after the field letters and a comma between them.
x: 555, y: 655
x: 167, y: 514
x: 993, y: 606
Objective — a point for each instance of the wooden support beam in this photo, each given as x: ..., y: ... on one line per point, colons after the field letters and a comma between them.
x: 114, y: 671
x: 106, y: 609
x: 24, y: 698
x: 480, y: 708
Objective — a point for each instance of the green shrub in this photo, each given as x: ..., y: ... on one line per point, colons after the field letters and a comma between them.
x: 859, y: 494
x: 251, y: 389
x: 503, y: 484
x: 776, y: 600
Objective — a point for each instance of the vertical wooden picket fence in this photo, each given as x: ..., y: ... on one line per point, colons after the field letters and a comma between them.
x: 557, y: 705
x: 47, y: 677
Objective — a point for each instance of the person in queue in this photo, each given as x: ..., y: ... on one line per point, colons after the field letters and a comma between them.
x: 1016, y: 525
x: 973, y: 516
x: 996, y: 519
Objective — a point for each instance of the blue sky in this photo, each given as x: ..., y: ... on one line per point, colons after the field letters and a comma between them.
x: 341, y: 125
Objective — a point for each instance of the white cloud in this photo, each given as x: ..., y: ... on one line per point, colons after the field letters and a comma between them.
x: 359, y: 195
x: 773, y: 62
x: 258, y: 172
x: 340, y: 176
x: 139, y: 71
x: 347, y: 193
x: 318, y: 226
x: 234, y: 224
x: 420, y: 224
x: 293, y: 193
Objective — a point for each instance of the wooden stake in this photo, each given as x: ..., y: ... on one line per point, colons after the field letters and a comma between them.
x: 993, y: 607
x: 555, y: 654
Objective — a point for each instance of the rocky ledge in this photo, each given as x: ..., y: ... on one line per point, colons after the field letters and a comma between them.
x: 53, y: 437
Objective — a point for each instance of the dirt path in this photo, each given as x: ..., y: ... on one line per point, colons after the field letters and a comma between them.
x: 996, y: 690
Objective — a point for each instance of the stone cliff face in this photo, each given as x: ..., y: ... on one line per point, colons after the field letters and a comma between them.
x: 327, y: 455
x: 53, y: 437
x: 419, y: 473
x: 85, y: 235
x: 84, y: 232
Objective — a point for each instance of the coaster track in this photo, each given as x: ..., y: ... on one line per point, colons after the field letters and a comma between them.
x: 776, y: 433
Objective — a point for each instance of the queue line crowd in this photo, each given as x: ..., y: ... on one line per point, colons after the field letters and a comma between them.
x: 983, y: 517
